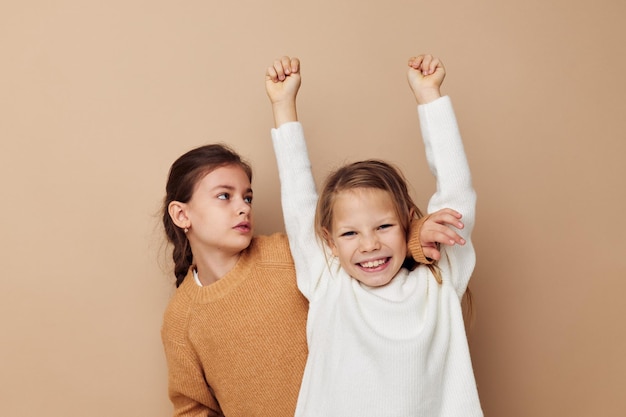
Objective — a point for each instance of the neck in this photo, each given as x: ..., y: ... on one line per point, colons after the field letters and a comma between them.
x: 212, y: 268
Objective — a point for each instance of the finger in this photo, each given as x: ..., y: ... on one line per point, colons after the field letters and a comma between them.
x: 441, y: 237
x: 440, y: 66
x: 280, y: 71
x: 447, y: 236
x: 271, y: 74
x: 431, y: 253
x: 295, y: 65
x: 285, y: 61
x: 448, y: 211
x: 454, y: 238
x: 443, y: 234
x: 446, y: 219
x: 426, y: 64
x: 434, y: 64
x: 416, y: 61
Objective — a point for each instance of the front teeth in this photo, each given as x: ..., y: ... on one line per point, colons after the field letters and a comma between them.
x: 373, y: 264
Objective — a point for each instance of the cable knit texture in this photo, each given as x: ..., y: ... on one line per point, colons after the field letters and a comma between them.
x: 394, y: 351
x: 238, y: 347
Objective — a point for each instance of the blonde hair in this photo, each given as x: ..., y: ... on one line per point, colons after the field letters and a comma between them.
x: 371, y: 173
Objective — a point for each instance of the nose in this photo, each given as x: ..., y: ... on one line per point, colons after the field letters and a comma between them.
x: 369, y: 243
x: 244, y: 208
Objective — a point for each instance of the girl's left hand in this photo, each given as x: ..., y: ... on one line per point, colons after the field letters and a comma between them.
x: 425, y: 75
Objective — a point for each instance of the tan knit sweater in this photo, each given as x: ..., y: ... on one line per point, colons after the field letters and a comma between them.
x: 238, y: 347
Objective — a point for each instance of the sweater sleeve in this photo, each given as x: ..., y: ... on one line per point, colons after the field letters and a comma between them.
x: 188, y: 390
x: 299, y: 201
x: 414, y: 245
x: 448, y: 163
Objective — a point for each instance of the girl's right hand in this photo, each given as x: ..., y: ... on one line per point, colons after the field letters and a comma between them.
x: 438, y: 229
x: 282, y: 80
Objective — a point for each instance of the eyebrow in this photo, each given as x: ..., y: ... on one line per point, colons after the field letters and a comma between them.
x: 230, y: 188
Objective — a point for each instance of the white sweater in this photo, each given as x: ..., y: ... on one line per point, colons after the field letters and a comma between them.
x: 399, y: 350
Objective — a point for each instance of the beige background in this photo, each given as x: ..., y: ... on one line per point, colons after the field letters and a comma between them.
x: 98, y: 98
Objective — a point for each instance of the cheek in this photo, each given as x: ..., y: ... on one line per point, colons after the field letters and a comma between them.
x: 345, y: 253
x: 400, y: 243
x: 402, y: 247
x: 333, y: 248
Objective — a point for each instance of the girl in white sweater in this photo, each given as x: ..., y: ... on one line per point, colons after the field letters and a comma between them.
x: 386, y: 337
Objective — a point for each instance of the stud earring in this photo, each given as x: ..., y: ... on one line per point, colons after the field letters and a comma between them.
x: 186, y: 230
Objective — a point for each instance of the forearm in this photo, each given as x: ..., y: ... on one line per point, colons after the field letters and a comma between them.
x: 446, y: 158
x: 448, y: 163
x: 284, y: 112
x: 299, y: 200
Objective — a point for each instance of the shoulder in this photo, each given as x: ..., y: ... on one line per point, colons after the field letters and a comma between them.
x: 178, y: 310
x: 271, y: 249
x: 175, y: 318
x: 272, y: 275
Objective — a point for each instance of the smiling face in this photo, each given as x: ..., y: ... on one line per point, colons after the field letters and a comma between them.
x: 220, y: 211
x: 367, y: 236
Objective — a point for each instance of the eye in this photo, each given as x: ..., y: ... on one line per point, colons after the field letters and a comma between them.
x: 348, y: 234
x: 248, y: 199
x: 223, y: 196
x: 385, y: 226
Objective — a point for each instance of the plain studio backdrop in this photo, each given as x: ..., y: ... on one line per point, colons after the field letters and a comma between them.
x: 97, y: 99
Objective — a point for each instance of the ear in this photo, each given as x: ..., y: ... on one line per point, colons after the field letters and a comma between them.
x: 330, y: 242
x: 178, y: 214
x: 411, y: 215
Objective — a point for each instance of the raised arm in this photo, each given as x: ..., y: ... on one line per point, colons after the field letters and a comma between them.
x: 446, y: 158
x: 298, y: 192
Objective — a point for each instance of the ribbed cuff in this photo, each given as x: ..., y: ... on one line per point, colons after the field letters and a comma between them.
x: 414, y: 245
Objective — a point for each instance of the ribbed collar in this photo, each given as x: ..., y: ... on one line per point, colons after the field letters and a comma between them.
x: 205, y: 294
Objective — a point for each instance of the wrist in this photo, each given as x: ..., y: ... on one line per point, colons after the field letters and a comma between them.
x: 427, y: 95
x: 284, y: 112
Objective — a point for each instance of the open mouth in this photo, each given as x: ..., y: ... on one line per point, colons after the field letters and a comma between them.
x: 375, y: 264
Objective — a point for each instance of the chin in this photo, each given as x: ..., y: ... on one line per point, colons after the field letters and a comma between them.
x: 244, y: 244
x: 373, y: 283
x: 381, y: 283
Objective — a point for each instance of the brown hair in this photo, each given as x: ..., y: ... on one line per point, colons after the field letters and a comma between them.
x: 184, y: 175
